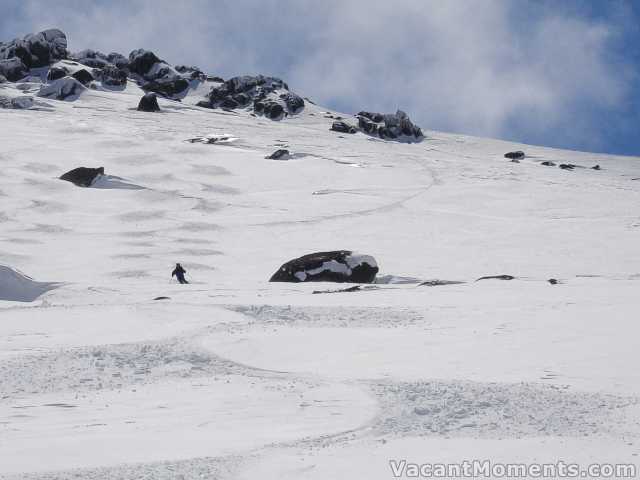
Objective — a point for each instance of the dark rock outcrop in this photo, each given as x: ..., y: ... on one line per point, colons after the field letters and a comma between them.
x: 518, y: 155
x: 112, y: 76
x: 343, y: 127
x: 342, y: 266
x: 36, y: 49
x: 547, y: 163
x: 597, y: 167
x: 82, y: 176
x: 91, y: 58
x: 141, y: 61
x: 270, y: 96
x: 167, y: 87
x: 83, y: 76
x: 13, y: 69
x: 279, y: 155
x: 397, y: 126
x: 553, y: 281
x: 149, y: 103
x: 567, y: 166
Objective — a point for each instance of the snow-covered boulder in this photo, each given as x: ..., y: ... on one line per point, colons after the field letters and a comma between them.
x: 66, y: 88
x: 15, y: 286
x: 149, y: 103
x: 36, y: 49
x: 83, y: 176
x: 397, y: 126
x: 337, y: 266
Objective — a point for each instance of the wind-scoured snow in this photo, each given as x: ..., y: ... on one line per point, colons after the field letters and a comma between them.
x: 231, y: 376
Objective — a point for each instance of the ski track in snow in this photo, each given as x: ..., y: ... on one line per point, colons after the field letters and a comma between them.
x: 232, y: 377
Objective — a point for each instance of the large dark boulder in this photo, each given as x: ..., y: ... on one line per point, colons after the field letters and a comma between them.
x: 36, y: 49
x: 83, y: 76
x: 294, y: 103
x: 13, y: 69
x: 141, y: 61
x: 338, y: 266
x: 149, y: 103
x: 168, y: 87
x: 82, y: 176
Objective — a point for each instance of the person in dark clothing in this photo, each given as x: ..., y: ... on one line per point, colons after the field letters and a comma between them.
x: 179, y: 272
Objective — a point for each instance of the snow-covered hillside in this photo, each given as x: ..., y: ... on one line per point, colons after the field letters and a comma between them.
x: 235, y: 377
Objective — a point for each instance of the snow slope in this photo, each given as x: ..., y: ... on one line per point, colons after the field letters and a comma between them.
x: 235, y: 377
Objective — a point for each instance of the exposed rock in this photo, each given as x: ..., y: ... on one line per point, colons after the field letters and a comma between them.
x: 162, y: 298
x: 83, y: 176
x: 36, y: 49
x: 280, y: 154
x: 567, y: 166
x: 90, y: 58
x: 149, y: 103
x: 343, y: 127
x: 112, y: 76
x: 548, y: 164
x: 3, y: 79
x: 13, y: 69
x: 269, y: 95
x: 62, y: 89
x: 167, y: 87
x: 396, y: 126
x: 120, y: 61
x: 553, y: 281
x: 518, y: 155
x: 141, y: 61
x: 194, y: 73
x: 293, y: 102
x: 83, y: 76
x: 336, y: 266
x: 597, y: 167
x: 355, y: 288
x: 497, y: 277
x: 55, y: 73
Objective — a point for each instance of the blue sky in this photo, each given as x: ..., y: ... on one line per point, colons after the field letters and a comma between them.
x: 557, y: 73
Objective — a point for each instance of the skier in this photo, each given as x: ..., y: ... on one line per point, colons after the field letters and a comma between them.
x: 179, y: 272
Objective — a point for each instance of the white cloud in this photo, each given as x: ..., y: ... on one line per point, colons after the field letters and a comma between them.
x: 484, y: 67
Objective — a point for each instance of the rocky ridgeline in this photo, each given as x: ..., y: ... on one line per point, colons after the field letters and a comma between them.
x: 44, y: 57
x: 267, y: 96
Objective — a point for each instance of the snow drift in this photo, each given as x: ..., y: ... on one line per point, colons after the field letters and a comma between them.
x: 15, y: 286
